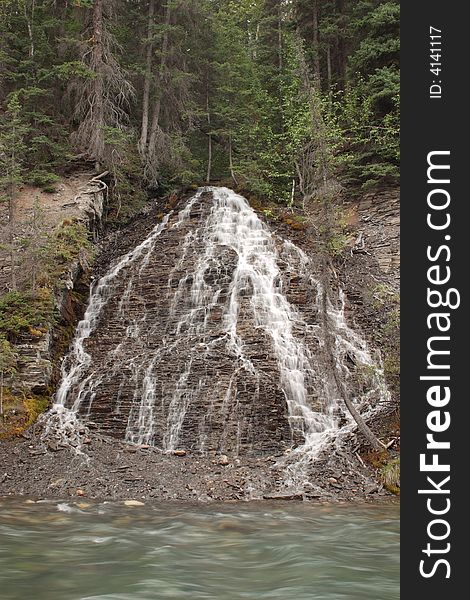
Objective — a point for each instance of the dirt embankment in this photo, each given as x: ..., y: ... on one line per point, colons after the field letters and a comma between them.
x: 37, y: 211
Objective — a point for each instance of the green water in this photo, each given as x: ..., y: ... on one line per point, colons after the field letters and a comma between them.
x: 60, y: 551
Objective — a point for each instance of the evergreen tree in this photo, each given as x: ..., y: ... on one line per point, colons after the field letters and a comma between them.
x: 178, y: 91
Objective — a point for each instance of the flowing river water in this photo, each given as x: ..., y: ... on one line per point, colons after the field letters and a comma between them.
x: 84, y: 551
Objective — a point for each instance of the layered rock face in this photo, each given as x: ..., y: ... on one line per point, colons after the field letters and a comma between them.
x: 207, y: 336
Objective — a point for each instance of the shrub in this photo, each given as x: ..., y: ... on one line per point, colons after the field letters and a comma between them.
x: 25, y: 311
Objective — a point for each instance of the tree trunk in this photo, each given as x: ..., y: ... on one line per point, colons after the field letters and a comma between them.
x: 230, y: 158
x: 280, y: 41
x: 342, y: 59
x: 11, y: 194
x: 158, y: 100
x: 209, y: 144
x: 316, y: 47
x: 61, y: 8
x: 146, y: 92
x: 328, y: 66
x: 1, y: 395
x: 30, y: 26
x: 97, y: 53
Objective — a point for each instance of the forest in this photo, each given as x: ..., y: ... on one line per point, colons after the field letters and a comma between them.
x: 166, y: 94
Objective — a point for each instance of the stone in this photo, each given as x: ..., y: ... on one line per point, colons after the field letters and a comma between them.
x: 332, y: 480
x: 223, y: 460
x: 133, y: 503
x: 80, y: 492
x: 292, y: 496
x: 179, y: 453
x: 58, y: 482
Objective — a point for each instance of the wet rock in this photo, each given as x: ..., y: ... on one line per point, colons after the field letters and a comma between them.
x: 286, y: 496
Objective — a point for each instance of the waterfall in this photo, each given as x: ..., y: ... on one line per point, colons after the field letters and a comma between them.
x: 208, y: 335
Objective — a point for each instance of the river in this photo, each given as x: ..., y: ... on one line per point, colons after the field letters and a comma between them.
x: 78, y: 550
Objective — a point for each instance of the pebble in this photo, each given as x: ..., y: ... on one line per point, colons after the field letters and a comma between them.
x: 80, y: 493
x: 57, y: 482
x: 133, y: 503
x: 223, y: 460
x: 179, y: 452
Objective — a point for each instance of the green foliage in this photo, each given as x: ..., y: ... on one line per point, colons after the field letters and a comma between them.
x: 70, y: 242
x: 22, y: 311
x: 8, y: 357
x: 43, y: 179
x: 390, y: 475
x: 20, y: 411
x: 386, y: 301
x: 13, y: 148
x: 231, y: 70
x: 383, y: 295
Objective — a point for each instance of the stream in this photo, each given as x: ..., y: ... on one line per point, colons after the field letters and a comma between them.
x: 68, y: 550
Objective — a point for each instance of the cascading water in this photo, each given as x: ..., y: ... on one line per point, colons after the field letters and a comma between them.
x: 210, y: 335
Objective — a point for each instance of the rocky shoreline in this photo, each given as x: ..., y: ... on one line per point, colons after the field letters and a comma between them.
x: 108, y: 469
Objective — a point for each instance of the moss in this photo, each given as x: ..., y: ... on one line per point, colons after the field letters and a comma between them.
x: 390, y: 475
x: 388, y: 469
x: 21, y: 312
x: 71, y: 239
x: 20, y: 412
x: 296, y: 223
x: 35, y: 406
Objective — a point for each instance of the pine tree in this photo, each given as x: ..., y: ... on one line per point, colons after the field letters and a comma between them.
x: 12, y: 153
x: 103, y: 97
